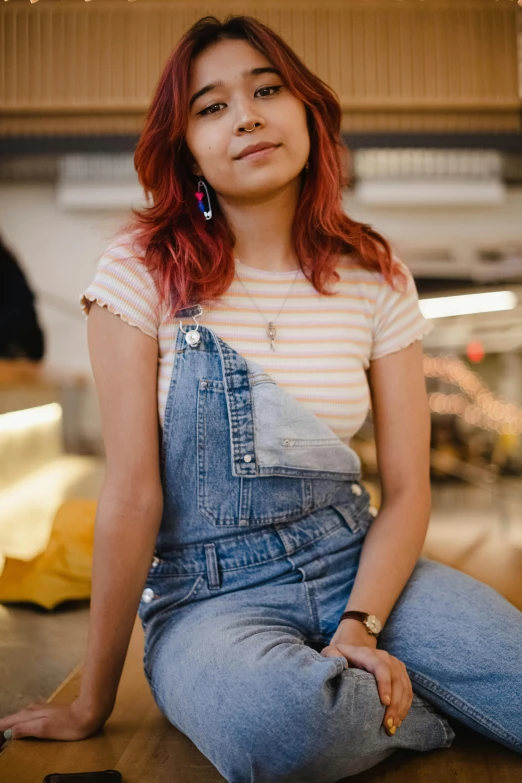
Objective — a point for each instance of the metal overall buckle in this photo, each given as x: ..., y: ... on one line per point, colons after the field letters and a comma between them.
x: 192, y: 336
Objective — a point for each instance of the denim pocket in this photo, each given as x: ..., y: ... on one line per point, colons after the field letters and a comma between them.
x: 165, y: 592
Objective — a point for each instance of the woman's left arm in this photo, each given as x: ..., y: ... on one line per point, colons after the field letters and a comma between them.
x: 396, y: 536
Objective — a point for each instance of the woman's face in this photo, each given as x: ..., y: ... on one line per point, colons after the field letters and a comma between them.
x: 235, y: 98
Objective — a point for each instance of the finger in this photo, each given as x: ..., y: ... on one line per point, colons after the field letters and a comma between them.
x: 407, y: 695
x: 388, y: 674
x: 18, y: 717
x: 382, y: 673
x: 27, y: 712
x: 409, y: 700
x: 391, y: 715
x: 29, y: 728
x: 383, y: 679
x: 362, y: 656
x: 374, y: 661
x: 386, y: 684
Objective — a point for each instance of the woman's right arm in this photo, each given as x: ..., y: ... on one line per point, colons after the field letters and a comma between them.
x: 125, y: 366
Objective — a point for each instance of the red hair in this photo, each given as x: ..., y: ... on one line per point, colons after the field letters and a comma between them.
x: 192, y: 258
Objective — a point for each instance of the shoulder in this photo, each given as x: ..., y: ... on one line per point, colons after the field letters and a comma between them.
x: 124, y: 285
x: 373, y: 285
x: 357, y: 278
x: 125, y: 257
x: 351, y: 265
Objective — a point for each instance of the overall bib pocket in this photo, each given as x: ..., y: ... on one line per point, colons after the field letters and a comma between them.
x: 225, y: 499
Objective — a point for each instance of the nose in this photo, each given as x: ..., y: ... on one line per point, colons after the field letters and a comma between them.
x: 248, y: 120
x: 250, y: 129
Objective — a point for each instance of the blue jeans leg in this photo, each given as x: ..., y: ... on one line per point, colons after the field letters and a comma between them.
x: 235, y: 675
x: 461, y: 642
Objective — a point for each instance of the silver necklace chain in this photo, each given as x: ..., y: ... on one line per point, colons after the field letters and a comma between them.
x: 271, y: 331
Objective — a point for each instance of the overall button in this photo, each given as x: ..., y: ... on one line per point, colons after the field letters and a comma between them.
x: 203, y: 384
x: 147, y: 595
x: 243, y: 521
x: 192, y: 337
x: 247, y: 458
x: 356, y: 489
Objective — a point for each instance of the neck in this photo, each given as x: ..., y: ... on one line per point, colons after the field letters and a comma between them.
x: 263, y: 229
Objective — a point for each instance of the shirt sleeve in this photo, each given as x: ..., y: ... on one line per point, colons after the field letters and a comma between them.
x: 125, y: 286
x: 398, y: 320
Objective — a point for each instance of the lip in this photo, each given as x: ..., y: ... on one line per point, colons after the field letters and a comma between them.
x: 257, y: 150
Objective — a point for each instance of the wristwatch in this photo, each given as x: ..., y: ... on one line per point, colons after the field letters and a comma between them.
x: 372, y: 623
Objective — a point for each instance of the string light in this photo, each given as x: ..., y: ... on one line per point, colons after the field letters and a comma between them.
x: 475, y: 403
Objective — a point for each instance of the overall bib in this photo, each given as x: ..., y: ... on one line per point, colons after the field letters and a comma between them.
x: 264, y: 519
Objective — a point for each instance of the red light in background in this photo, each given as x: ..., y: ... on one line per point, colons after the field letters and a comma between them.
x: 475, y: 351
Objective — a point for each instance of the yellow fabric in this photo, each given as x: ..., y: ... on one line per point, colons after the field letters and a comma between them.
x: 61, y: 573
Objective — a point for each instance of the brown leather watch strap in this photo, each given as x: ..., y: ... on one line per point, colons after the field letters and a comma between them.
x: 353, y: 615
x: 361, y: 616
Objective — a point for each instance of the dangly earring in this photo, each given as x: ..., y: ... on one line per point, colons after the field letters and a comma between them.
x: 200, y: 195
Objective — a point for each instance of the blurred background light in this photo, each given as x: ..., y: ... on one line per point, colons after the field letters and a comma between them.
x: 467, y: 304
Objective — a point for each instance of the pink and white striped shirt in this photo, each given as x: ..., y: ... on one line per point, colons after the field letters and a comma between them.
x: 323, y: 345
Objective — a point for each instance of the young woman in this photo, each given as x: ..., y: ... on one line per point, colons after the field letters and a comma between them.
x: 238, y: 328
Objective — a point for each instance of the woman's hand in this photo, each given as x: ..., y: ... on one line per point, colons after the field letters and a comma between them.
x: 360, y: 650
x: 52, y: 721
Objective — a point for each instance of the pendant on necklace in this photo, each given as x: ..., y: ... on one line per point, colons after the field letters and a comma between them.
x: 271, y: 332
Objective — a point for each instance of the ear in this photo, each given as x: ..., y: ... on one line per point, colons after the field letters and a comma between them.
x: 194, y: 167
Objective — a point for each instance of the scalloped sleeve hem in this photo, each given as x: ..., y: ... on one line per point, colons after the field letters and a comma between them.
x: 86, y: 300
x: 426, y: 329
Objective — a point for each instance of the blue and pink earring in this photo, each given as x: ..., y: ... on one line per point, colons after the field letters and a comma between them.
x: 200, y: 196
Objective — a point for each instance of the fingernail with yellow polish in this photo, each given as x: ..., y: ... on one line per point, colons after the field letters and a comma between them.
x: 393, y: 730
x: 390, y: 722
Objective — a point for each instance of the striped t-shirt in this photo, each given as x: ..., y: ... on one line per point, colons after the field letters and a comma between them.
x: 323, y: 344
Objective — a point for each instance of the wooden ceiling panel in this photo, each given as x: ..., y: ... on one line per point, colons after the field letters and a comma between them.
x: 72, y: 67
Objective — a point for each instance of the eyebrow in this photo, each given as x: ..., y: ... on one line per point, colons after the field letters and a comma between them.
x: 244, y: 74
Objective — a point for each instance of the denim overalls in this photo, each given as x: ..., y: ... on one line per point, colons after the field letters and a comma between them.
x: 264, y: 519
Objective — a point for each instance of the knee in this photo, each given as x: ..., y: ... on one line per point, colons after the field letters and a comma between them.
x: 311, y: 737
x: 325, y: 737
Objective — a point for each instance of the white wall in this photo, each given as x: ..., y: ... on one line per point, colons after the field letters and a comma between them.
x: 58, y: 251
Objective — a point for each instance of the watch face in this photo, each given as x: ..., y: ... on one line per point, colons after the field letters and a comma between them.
x: 373, y: 623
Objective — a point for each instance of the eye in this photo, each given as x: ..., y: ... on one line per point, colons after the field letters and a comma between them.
x: 208, y: 110
x: 275, y: 87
